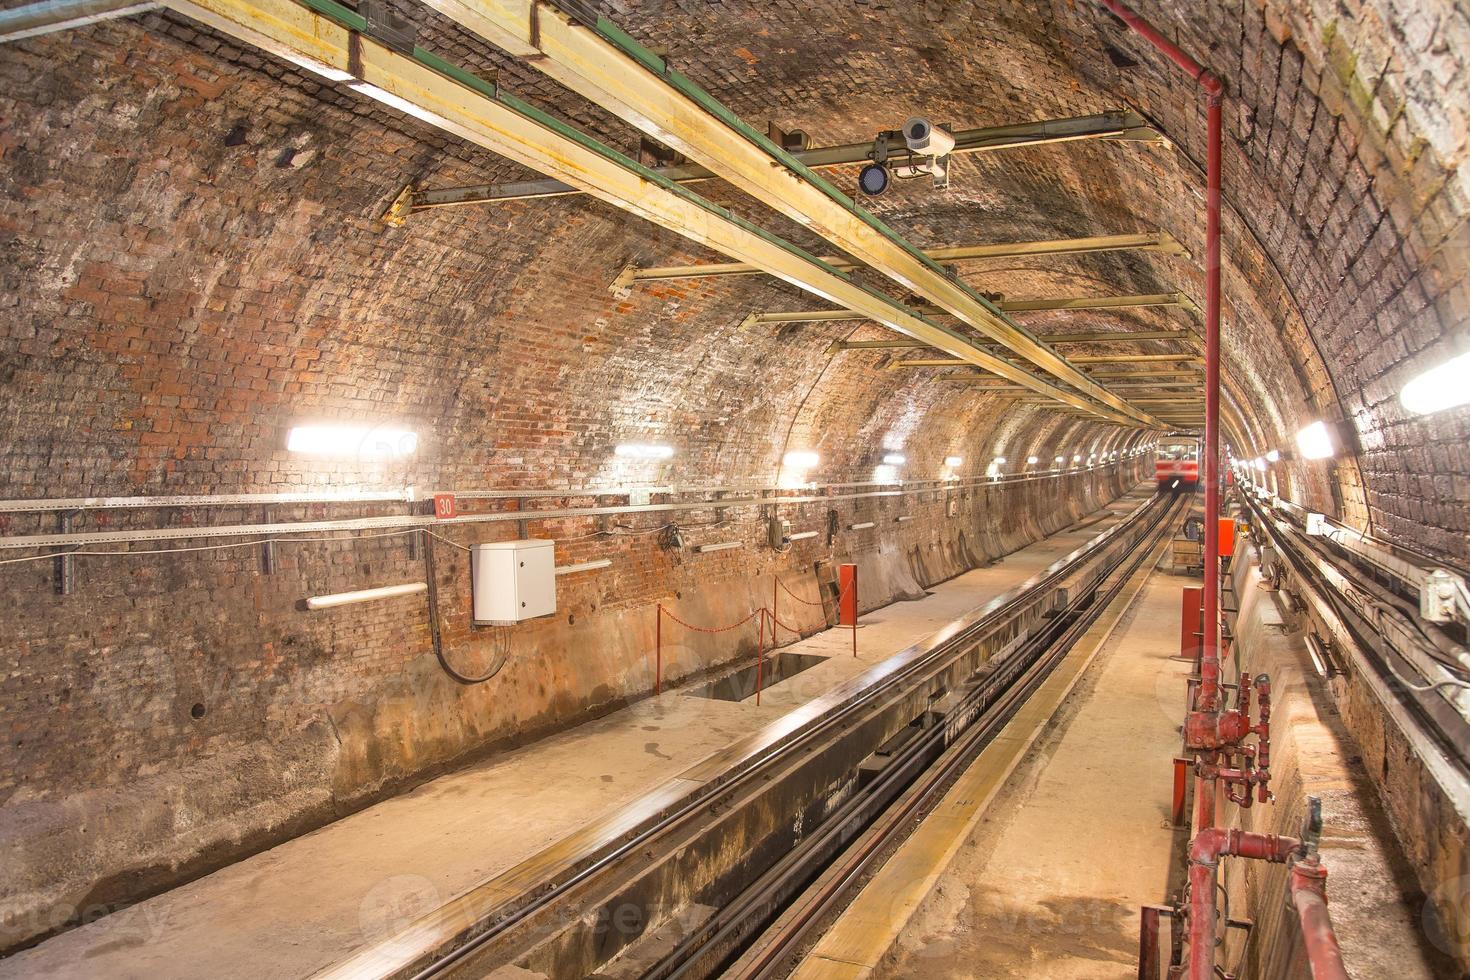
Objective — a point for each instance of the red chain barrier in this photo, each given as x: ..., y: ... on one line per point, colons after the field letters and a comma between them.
x: 658, y: 641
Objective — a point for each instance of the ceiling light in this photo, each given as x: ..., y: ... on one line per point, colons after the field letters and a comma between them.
x: 643, y: 450
x: 1061, y: 459
x: 1077, y: 458
x: 894, y: 459
x: 1259, y: 464
x: 886, y: 473
x: 1315, y: 441
x: 873, y: 179
x: 953, y: 462
x: 1439, y: 388
x: 379, y: 442
x: 1031, y: 460
x: 800, y: 459
x: 1273, y: 456
x: 1000, y: 461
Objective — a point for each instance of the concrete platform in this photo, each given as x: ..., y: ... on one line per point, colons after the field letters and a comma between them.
x: 1049, y: 881
x: 305, y: 904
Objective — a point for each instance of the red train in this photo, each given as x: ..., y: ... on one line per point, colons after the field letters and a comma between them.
x: 1176, y: 467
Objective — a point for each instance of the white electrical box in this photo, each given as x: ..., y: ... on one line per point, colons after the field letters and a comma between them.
x: 513, y: 580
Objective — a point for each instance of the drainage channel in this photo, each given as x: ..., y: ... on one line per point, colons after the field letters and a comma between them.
x: 637, y: 886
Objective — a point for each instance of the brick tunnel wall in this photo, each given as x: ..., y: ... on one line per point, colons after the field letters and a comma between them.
x: 193, y: 264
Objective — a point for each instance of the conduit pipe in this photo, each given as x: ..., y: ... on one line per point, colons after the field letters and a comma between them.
x: 35, y: 19
x: 1208, y: 698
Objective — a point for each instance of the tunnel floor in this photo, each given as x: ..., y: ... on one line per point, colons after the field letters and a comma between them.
x: 305, y: 904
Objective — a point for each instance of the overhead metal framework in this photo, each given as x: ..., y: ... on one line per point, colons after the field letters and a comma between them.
x: 596, y: 60
x: 1118, y: 125
x: 1158, y: 242
x: 334, y: 42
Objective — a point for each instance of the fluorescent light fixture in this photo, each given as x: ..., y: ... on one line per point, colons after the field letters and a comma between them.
x: 894, y: 459
x: 643, y: 450
x: 901, y: 518
x: 803, y: 535
x: 1439, y: 388
x: 722, y: 546
x: 1315, y: 441
x: 1031, y: 461
x: 954, y: 462
x: 800, y: 459
x: 862, y: 526
x: 1273, y: 456
x: 365, y: 595
x: 366, y: 442
x: 585, y: 566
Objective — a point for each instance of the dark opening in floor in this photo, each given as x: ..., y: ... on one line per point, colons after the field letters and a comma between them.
x: 741, y: 684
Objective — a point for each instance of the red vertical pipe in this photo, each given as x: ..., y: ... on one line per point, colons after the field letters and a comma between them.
x: 1309, y: 895
x: 760, y: 653
x: 1209, y: 688
x: 1210, y: 648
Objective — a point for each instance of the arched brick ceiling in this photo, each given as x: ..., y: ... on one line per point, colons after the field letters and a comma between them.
x: 186, y: 300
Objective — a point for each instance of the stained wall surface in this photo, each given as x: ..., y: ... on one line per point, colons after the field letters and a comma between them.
x: 193, y: 263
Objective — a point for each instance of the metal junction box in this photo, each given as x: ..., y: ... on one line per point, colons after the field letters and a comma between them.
x: 513, y: 580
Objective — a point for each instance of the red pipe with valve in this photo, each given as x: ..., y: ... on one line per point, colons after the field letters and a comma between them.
x: 1218, y: 735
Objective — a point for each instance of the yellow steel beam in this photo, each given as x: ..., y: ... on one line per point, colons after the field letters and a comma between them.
x: 1147, y: 300
x: 1157, y: 242
x: 1137, y: 358
x: 454, y: 101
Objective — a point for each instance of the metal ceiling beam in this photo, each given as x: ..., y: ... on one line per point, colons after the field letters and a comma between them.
x: 1006, y: 306
x: 1120, y: 125
x: 1161, y: 242
x: 597, y: 61
x: 1137, y: 358
x: 334, y: 42
x: 1091, y: 337
x: 50, y: 16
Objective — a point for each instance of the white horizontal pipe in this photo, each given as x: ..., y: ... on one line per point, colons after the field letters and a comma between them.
x: 585, y: 566
x: 365, y: 595
x: 722, y: 546
x: 60, y: 15
x: 803, y: 535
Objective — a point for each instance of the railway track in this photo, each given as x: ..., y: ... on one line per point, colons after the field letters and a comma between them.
x: 695, y: 877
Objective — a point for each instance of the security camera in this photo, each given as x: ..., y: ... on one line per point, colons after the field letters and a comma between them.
x: 924, y: 137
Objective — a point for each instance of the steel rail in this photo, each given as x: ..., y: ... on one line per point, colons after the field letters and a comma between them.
x: 683, y: 807
x: 872, y: 821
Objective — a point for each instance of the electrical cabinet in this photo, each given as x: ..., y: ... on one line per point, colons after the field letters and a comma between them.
x: 513, y: 580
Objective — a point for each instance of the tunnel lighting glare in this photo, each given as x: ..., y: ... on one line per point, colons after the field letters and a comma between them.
x: 1077, y: 458
x: 1061, y: 459
x: 643, y: 450
x: 1274, y: 456
x: 1000, y: 461
x: 886, y: 473
x: 800, y: 459
x: 1032, y: 460
x: 366, y: 442
x: 1315, y: 441
x: 894, y: 459
x: 953, y: 462
x: 1439, y: 388
x: 1260, y: 464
